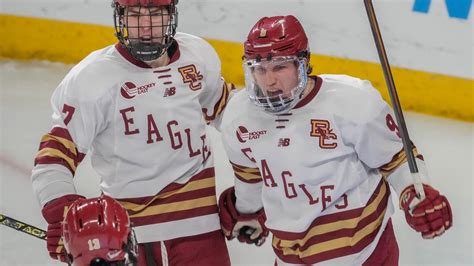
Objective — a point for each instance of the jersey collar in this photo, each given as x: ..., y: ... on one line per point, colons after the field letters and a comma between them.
x: 311, y: 94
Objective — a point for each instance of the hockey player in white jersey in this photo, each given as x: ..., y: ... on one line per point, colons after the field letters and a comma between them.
x: 313, y: 158
x: 140, y: 108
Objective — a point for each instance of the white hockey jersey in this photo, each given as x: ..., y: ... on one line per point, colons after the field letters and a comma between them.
x: 318, y: 170
x: 145, y: 128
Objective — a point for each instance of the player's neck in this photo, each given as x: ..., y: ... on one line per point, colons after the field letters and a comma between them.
x: 161, y: 61
x: 309, y: 87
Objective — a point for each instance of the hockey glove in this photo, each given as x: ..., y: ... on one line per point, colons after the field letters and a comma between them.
x: 431, y: 216
x: 54, y: 212
x: 248, y: 228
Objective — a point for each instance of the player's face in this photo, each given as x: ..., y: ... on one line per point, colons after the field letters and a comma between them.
x: 276, y: 77
x: 147, y: 24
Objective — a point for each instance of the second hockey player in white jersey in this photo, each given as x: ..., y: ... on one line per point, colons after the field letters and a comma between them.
x: 141, y: 107
x: 313, y: 158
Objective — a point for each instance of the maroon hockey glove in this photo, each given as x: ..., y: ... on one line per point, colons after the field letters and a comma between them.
x: 431, y: 216
x: 248, y: 228
x: 54, y: 212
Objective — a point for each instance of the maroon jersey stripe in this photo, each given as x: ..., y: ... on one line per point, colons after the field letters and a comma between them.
x: 311, y: 94
x: 330, y: 218
x: 59, y: 146
x: 61, y: 132
x: 174, y: 216
x: 205, y: 173
x: 53, y: 160
x: 240, y: 168
x: 253, y: 171
x: 331, y: 254
x: 376, y: 216
x: 221, y: 103
x: 249, y: 181
x: 177, y: 198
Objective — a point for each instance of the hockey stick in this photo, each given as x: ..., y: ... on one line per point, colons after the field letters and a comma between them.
x: 407, y: 145
x: 22, y: 227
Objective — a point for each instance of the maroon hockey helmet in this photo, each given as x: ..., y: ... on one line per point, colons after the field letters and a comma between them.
x: 97, y: 231
x: 276, y: 36
x: 160, y: 29
x: 275, y: 43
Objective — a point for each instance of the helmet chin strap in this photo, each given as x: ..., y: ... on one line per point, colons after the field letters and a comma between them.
x: 147, y: 52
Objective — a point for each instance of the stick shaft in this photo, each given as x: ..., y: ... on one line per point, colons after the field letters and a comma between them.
x: 407, y: 145
x: 23, y: 227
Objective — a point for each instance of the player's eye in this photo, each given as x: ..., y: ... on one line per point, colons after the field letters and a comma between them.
x: 259, y: 70
x: 279, y: 67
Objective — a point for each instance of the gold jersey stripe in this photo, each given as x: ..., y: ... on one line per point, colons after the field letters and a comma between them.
x: 65, y: 142
x: 400, y: 158
x: 191, y: 186
x: 334, y: 244
x: 177, y: 206
x: 225, y: 97
x: 245, y: 169
x: 339, y: 225
x: 57, y: 154
x: 254, y: 171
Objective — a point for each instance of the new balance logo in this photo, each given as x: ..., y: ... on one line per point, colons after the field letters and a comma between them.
x: 284, y: 142
x: 170, y: 92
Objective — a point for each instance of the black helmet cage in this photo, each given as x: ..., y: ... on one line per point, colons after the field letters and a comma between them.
x: 145, y: 50
x: 132, y: 248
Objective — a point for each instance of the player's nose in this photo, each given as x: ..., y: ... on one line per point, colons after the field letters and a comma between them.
x: 270, y: 79
x: 145, y: 21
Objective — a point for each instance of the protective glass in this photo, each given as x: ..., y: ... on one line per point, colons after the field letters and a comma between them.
x: 276, y: 85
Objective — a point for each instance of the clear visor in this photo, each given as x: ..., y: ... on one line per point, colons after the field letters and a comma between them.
x: 276, y: 85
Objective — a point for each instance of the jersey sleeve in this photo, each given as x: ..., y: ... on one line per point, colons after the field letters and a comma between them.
x: 247, y: 177
x: 217, y: 93
x: 370, y: 128
x: 76, y: 120
x: 377, y: 140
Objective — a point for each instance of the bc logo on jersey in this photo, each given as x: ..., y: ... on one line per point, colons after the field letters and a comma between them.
x: 322, y: 130
x: 192, y: 76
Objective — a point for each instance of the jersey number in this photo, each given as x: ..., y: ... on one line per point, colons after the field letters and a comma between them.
x: 392, y: 125
x: 94, y: 244
x: 69, y: 111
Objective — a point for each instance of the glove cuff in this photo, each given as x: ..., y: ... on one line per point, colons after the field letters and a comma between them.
x: 259, y: 216
x: 55, y: 210
x: 408, y: 198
